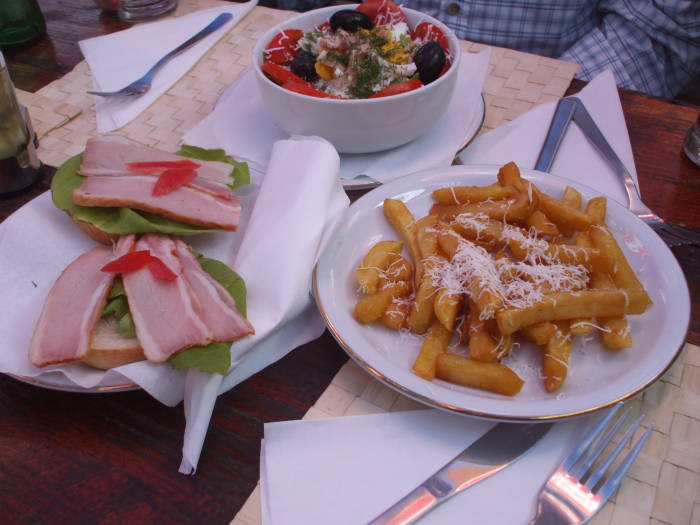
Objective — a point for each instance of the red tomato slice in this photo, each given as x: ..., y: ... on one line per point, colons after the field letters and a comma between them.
x: 399, y: 87
x: 448, y: 63
x: 278, y: 74
x: 172, y: 179
x: 129, y: 262
x: 305, y: 88
x: 160, y: 271
x: 324, y: 27
x: 283, y: 47
x: 382, y: 12
x: 155, y: 167
x: 136, y: 260
x: 427, y: 31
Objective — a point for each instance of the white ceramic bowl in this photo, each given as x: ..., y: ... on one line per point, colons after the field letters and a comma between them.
x: 362, y: 125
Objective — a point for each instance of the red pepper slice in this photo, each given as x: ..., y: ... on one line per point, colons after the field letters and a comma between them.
x: 383, y: 12
x: 172, y: 179
x: 278, y: 74
x: 136, y: 260
x: 155, y: 167
x: 129, y: 262
x: 159, y: 270
x: 283, y: 47
x: 399, y: 87
x: 426, y: 31
x: 304, y: 88
x: 324, y: 27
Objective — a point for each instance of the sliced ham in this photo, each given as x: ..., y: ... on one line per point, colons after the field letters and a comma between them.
x: 110, y: 154
x: 134, y: 191
x: 164, y: 312
x: 73, y: 307
x: 216, y: 306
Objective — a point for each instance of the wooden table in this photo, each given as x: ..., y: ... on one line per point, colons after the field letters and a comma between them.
x: 113, y: 458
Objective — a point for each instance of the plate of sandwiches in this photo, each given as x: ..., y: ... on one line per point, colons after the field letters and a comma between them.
x: 502, y: 293
x: 124, y: 270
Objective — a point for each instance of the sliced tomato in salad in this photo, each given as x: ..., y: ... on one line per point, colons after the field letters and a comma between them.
x: 383, y: 12
x: 398, y: 88
x: 279, y: 74
x: 427, y: 31
x: 283, y: 47
x: 304, y: 88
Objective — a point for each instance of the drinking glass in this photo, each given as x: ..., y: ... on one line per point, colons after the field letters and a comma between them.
x: 692, y: 142
x: 20, y: 21
x: 19, y: 162
x: 137, y: 10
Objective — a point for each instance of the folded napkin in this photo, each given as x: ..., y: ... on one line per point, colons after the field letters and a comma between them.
x: 251, y: 134
x: 287, y: 220
x: 348, y: 470
x: 118, y: 59
x: 521, y: 141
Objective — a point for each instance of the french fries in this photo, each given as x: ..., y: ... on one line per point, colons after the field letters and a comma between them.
x: 493, y: 264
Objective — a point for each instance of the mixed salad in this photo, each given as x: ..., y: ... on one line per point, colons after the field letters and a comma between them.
x: 358, y: 53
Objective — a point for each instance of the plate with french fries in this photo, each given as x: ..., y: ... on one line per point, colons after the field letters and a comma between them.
x: 502, y: 293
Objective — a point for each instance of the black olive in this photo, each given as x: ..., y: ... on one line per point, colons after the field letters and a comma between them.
x: 350, y: 20
x: 304, y: 65
x: 429, y: 60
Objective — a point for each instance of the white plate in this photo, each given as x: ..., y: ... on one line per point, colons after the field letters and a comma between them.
x: 351, y: 166
x: 597, y: 377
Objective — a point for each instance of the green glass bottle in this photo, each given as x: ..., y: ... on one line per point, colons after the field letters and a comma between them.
x: 21, y: 21
x: 19, y: 163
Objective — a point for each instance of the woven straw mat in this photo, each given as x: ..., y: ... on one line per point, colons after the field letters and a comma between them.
x: 661, y: 488
x: 64, y: 115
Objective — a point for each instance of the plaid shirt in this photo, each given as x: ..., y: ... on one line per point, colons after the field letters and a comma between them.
x: 651, y: 45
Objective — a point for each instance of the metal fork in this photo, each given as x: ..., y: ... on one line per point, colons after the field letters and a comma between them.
x: 572, y: 108
x: 142, y: 85
x: 576, y: 491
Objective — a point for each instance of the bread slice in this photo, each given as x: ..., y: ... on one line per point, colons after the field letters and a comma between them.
x: 108, y: 349
x: 95, y: 233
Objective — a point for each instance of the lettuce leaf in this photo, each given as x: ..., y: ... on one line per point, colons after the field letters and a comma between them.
x: 214, y: 358
x: 240, y: 173
x: 122, y: 221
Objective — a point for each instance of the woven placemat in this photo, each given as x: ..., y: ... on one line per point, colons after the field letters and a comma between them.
x: 661, y: 488
x: 515, y: 83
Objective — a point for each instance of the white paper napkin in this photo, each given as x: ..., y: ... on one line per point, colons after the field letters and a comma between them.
x: 242, y: 126
x: 118, y: 59
x: 348, y: 470
x: 521, y: 140
x: 280, y: 234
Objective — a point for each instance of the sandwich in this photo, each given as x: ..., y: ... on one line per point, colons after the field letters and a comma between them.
x: 119, y: 187
x: 147, y: 298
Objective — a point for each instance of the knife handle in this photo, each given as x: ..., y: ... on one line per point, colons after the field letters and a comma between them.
x: 557, y: 128
x: 408, y: 509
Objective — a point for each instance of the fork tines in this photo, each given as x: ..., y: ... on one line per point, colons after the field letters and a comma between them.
x: 590, y: 449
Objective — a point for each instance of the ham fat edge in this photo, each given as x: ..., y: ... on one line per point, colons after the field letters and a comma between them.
x: 110, y: 182
x: 73, y: 307
x: 169, y: 316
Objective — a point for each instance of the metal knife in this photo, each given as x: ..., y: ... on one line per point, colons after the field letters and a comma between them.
x: 489, y: 454
x: 572, y: 108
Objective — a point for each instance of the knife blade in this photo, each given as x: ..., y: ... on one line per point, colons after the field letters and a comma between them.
x: 489, y: 454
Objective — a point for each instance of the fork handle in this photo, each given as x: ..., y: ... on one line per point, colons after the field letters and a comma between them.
x: 206, y: 31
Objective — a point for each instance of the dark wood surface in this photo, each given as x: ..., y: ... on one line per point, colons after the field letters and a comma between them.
x: 113, y: 458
